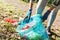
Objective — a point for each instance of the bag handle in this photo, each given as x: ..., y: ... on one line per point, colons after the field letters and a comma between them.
x: 27, y: 18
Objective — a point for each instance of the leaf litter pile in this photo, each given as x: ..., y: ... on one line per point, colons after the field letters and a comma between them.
x: 9, y: 17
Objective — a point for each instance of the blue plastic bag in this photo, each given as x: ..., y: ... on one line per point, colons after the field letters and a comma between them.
x: 34, y: 30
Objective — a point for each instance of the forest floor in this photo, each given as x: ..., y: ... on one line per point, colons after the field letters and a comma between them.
x: 16, y: 9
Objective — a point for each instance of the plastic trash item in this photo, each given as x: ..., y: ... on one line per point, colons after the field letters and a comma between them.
x: 34, y: 30
x: 10, y: 20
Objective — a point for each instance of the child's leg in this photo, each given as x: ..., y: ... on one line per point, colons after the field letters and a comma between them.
x: 41, y: 5
x: 54, y: 5
x: 52, y: 17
